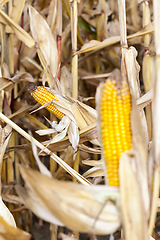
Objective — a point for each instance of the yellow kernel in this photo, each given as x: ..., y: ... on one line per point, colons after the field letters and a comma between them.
x: 115, y: 117
x: 43, y: 96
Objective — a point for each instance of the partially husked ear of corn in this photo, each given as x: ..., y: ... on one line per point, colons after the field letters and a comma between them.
x: 43, y: 96
x: 116, y: 137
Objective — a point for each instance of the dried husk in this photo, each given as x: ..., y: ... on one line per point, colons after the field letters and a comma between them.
x: 134, y: 219
x: 156, y: 118
x: 140, y: 151
x: 130, y: 71
x: 87, y: 134
x: 80, y: 208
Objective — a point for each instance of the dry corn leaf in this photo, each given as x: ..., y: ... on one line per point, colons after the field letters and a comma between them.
x: 145, y: 100
x: 7, y: 232
x: 89, y: 114
x: 3, y: 144
x: 94, y: 172
x: 7, y: 84
x: 31, y: 65
x: 4, y: 211
x: 17, y: 9
x: 22, y: 76
x: 80, y: 208
x: 22, y: 110
x: 134, y: 219
x: 46, y: 131
x: 10, y: 198
x: 46, y: 150
x: 90, y: 76
x: 46, y: 74
x: 21, y: 34
x: 51, y: 18
x: 73, y: 134
x: 94, y: 45
x: 93, y: 163
x: 66, y: 81
x: 140, y: 149
x: 78, y: 116
x: 87, y: 134
x: 37, y: 206
x: 89, y: 149
x: 43, y: 169
x: 58, y: 128
x: 44, y: 39
x: 84, y: 116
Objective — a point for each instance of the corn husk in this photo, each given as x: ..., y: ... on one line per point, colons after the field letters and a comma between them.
x: 80, y: 208
x: 46, y: 150
x: 156, y: 118
x: 131, y: 203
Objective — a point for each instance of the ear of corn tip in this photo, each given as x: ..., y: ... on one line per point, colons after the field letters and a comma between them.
x: 115, y: 110
x: 42, y: 96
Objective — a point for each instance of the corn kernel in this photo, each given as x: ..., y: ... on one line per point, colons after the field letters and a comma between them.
x: 43, y: 96
x: 115, y: 110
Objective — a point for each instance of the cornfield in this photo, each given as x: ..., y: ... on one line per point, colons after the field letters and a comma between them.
x: 79, y: 119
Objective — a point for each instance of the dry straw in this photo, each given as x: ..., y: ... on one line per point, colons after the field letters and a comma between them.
x: 68, y: 48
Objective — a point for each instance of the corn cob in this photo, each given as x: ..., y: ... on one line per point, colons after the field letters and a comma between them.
x: 115, y: 110
x: 42, y: 96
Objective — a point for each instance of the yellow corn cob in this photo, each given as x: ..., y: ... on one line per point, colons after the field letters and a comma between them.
x: 42, y: 96
x: 115, y: 110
